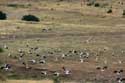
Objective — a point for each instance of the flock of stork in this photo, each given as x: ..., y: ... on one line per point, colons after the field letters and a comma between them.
x: 81, y: 56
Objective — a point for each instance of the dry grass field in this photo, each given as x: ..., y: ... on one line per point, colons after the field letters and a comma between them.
x: 30, y: 81
x: 26, y: 81
x: 68, y: 26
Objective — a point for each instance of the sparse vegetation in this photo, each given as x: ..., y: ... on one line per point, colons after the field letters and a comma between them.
x: 73, y: 42
x: 3, y: 16
x: 30, y: 18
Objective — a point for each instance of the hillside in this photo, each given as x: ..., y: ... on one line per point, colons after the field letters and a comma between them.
x: 88, y: 41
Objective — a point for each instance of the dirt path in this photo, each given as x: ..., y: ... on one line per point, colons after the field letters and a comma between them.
x: 52, y: 35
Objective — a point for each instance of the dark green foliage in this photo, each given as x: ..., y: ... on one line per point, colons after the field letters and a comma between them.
x: 109, y: 11
x: 30, y: 18
x: 97, y: 5
x: 1, y: 50
x: 18, y: 5
x: 2, y: 16
x: 123, y: 13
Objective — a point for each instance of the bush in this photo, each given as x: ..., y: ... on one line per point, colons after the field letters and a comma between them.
x: 30, y: 18
x: 97, y: 5
x: 109, y: 11
x: 2, y: 16
x: 123, y: 13
x: 1, y: 50
x: 18, y: 5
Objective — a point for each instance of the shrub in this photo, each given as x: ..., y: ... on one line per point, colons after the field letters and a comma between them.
x: 2, y: 16
x: 97, y: 5
x: 30, y: 18
x: 18, y: 5
x: 1, y: 50
x: 123, y: 13
x: 109, y: 11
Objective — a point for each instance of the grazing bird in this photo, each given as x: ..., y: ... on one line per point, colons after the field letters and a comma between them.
x: 102, y: 68
x: 9, y: 54
x: 96, y: 59
x: 5, y: 46
x: 81, y: 60
x: 105, y: 61
x: 20, y: 50
x: 66, y: 71
x: 120, y: 80
x: 36, y: 48
x: 44, y: 57
x: 42, y: 61
x: 120, y: 62
x: 56, y: 73
x: 29, y: 52
x: 21, y: 54
x: 44, y: 73
x: 118, y: 72
x: 6, y: 67
x: 32, y: 61
x: 26, y: 65
x: 98, y: 68
x: 63, y: 56
x: 37, y: 55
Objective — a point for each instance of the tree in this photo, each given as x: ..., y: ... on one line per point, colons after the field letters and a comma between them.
x: 3, y: 16
x: 30, y: 18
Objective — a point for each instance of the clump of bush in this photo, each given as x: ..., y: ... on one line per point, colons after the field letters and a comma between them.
x: 3, y: 16
x: 109, y: 11
x: 96, y: 4
x: 18, y: 5
x: 123, y: 13
x: 1, y: 50
x: 30, y: 18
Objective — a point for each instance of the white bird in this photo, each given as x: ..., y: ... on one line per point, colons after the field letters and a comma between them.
x: 67, y: 72
x: 5, y: 46
x: 42, y: 61
x: 33, y: 61
x: 63, y: 56
x: 81, y: 60
x: 44, y: 73
x: 57, y: 73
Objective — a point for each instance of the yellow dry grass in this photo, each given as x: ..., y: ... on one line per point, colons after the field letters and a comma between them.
x: 30, y: 81
x: 27, y: 81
